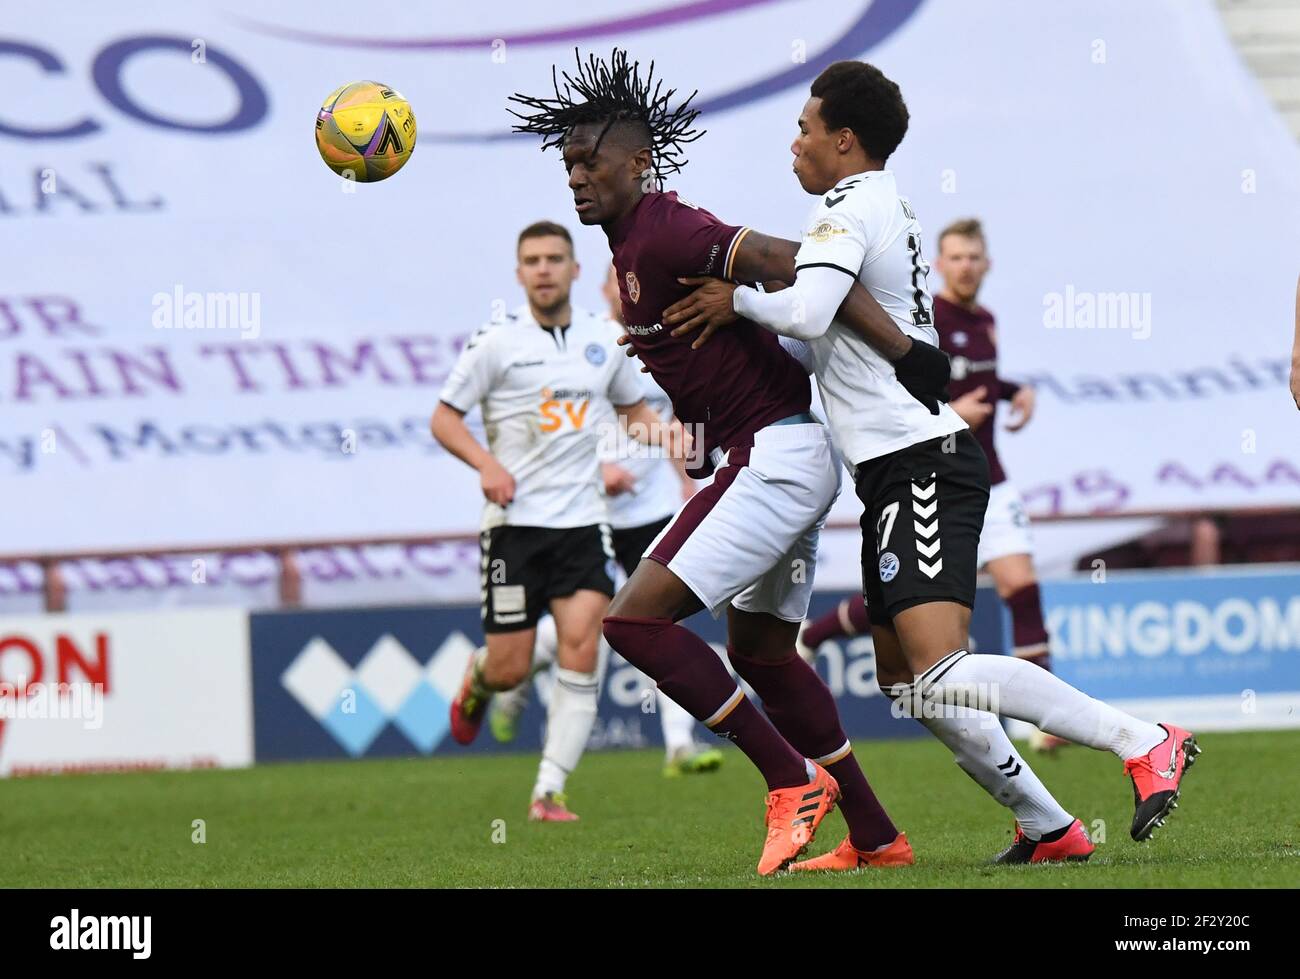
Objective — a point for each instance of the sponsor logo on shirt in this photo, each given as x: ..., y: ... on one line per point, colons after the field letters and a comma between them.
x: 825, y: 230
x: 962, y: 367
x: 641, y: 330
x: 562, y: 404
x: 713, y: 255
x: 633, y: 287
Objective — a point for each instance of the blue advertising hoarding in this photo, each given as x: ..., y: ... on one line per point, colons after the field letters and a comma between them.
x: 350, y: 683
x: 1207, y: 650
x: 1214, y: 649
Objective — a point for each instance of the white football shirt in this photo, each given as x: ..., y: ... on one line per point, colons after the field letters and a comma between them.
x: 544, y: 393
x: 863, y: 228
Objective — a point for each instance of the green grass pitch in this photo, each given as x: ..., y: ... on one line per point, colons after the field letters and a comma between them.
x: 460, y: 822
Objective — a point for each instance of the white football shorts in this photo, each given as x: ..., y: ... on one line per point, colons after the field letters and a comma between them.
x: 1006, y: 525
x: 750, y: 536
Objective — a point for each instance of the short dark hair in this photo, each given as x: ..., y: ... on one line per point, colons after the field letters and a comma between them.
x: 544, y: 229
x: 858, y: 96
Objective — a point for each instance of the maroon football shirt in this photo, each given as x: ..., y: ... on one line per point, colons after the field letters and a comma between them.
x: 966, y: 336
x: 742, y: 379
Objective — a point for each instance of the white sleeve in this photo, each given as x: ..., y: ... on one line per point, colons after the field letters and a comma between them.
x: 625, y: 382
x: 837, y: 239
x: 803, y: 311
x: 474, y: 375
x: 799, y: 350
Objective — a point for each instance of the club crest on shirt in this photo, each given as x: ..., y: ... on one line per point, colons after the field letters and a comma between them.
x: 633, y: 287
x: 888, y: 566
x: 825, y: 230
x: 595, y: 354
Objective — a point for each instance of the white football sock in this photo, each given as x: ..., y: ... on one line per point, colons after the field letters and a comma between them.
x: 678, y: 725
x: 569, y: 719
x: 476, y: 683
x: 985, y: 753
x: 546, y: 643
x: 1011, y: 687
x: 514, y: 701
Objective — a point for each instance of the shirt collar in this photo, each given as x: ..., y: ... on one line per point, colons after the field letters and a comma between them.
x: 623, y: 226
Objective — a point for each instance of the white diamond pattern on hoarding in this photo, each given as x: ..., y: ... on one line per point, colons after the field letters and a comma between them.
x: 389, y: 673
x: 316, y: 676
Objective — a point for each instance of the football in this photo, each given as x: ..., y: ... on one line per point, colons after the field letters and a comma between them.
x: 365, y: 131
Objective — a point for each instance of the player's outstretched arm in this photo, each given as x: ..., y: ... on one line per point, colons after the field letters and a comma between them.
x: 449, y: 428
x: 818, y: 295
x: 923, y: 369
x: 760, y: 258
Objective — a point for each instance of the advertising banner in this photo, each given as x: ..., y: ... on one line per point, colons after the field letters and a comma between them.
x: 206, y: 336
x: 125, y: 691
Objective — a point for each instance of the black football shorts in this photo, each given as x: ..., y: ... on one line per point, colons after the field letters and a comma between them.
x: 923, y: 512
x: 523, y: 568
x: 631, y: 542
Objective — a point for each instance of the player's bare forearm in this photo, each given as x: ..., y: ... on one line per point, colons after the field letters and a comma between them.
x: 762, y: 258
x: 644, y: 424
x: 451, y: 432
x: 683, y: 477
x: 682, y: 443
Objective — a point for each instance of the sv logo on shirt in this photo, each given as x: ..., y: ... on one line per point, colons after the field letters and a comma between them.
x: 554, y: 413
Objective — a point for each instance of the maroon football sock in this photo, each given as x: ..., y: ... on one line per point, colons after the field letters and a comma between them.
x: 688, y: 670
x: 803, y: 710
x: 1028, y: 633
x: 848, y: 618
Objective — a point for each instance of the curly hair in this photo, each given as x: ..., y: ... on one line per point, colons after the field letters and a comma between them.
x: 612, y: 92
x: 858, y: 96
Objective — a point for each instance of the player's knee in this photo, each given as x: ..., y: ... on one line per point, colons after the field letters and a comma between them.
x: 758, y: 650
x: 579, y: 655
x: 1012, y: 574
x: 1009, y: 586
x: 504, y: 675
x: 619, y: 631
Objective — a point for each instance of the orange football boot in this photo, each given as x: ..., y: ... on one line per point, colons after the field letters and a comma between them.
x: 848, y: 857
x: 793, y: 815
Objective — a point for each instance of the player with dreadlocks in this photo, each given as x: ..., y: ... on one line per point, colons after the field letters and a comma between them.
x: 747, y: 542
